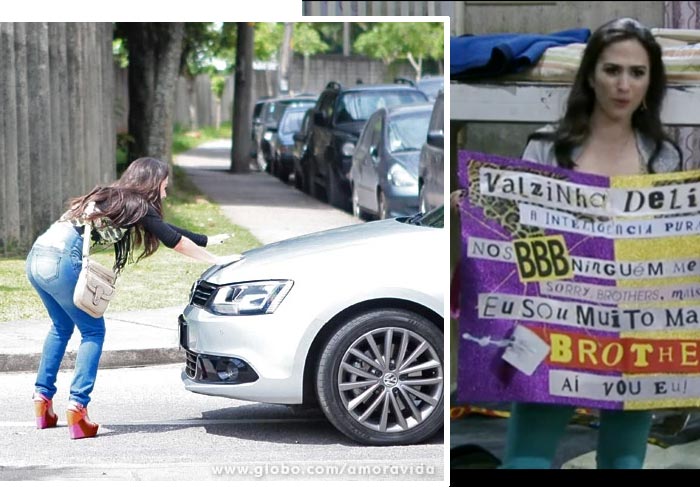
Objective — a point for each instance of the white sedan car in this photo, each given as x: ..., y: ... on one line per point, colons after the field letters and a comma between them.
x: 350, y: 319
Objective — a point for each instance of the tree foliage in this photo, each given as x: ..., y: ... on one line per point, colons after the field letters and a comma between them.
x: 414, y: 41
x: 307, y: 40
x: 268, y: 39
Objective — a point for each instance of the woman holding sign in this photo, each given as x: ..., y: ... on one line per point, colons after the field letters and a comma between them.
x: 612, y: 127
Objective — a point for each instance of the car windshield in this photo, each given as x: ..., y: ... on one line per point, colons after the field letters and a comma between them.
x: 360, y: 105
x: 434, y: 218
x: 408, y: 132
x: 276, y: 110
x: 431, y: 86
x: 291, y: 122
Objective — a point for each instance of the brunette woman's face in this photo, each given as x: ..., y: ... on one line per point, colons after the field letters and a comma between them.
x: 621, y: 79
x: 163, y: 188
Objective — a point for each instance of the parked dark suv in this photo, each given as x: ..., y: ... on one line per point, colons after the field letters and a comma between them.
x: 338, y: 119
x: 431, y: 168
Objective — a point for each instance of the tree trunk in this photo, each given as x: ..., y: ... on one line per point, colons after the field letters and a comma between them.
x: 346, y: 38
x: 305, y: 76
x: 192, y: 109
x: 285, y: 58
x: 240, y: 152
x: 154, y: 56
x: 417, y: 65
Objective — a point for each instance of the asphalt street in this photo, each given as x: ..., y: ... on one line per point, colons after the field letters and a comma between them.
x: 153, y: 429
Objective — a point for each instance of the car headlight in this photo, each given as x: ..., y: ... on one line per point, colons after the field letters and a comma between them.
x: 267, y: 136
x: 348, y: 149
x: 399, y: 176
x: 249, y: 298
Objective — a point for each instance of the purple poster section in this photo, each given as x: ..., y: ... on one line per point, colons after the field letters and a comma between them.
x: 483, y: 374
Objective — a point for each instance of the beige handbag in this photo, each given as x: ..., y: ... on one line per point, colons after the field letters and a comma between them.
x: 96, y: 283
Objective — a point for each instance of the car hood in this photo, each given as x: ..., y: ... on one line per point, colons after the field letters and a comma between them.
x: 351, y: 244
x: 409, y: 160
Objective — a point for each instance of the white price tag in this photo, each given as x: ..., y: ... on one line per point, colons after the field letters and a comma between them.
x: 527, y: 350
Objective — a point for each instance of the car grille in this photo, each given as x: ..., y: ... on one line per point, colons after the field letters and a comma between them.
x: 190, y: 364
x: 202, y: 293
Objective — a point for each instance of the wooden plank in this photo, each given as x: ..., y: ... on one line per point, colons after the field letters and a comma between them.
x: 361, y: 7
x: 75, y: 116
x: 315, y: 8
x: 39, y: 123
x: 108, y: 153
x: 506, y: 102
x: 529, y: 102
x: 24, y: 171
x: 55, y: 118
x: 8, y: 182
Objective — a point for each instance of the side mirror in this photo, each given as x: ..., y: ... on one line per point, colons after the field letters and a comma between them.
x: 319, y: 119
x: 436, y: 138
x: 374, y: 154
x: 298, y: 137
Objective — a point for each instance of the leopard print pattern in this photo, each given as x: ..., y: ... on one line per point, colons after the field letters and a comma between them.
x: 506, y: 212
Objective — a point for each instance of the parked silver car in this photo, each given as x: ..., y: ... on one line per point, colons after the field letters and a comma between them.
x: 384, y: 170
x: 350, y: 318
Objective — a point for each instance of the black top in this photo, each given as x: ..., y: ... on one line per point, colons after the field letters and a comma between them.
x: 169, y: 234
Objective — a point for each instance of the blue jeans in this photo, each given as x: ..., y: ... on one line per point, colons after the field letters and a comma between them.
x: 53, y: 266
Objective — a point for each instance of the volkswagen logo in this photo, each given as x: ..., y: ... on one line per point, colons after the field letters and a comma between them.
x: 390, y: 380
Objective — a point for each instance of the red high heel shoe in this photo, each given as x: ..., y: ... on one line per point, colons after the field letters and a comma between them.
x: 79, y: 425
x: 43, y: 410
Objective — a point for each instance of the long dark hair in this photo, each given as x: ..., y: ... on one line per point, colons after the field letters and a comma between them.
x: 573, y: 129
x: 125, y: 202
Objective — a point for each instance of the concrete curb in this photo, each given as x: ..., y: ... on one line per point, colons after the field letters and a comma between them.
x: 110, y: 359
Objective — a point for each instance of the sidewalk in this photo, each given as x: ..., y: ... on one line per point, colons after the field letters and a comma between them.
x: 269, y: 209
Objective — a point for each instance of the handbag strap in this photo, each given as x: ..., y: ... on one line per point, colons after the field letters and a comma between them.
x: 87, y: 233
x: 86, y: 240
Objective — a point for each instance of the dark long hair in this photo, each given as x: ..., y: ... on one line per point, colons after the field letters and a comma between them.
x: 125, y: 202
x: 573, y: 129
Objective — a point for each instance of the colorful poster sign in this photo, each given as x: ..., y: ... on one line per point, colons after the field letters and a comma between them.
x: 578, y: 289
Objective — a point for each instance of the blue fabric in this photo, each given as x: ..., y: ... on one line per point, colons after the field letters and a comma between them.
x: 492, y: 55
x: 53, y: 266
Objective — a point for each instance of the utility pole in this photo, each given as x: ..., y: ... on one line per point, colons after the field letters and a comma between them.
x: 240, y: 152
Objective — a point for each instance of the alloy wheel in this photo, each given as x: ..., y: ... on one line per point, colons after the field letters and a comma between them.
x: 390, y: 380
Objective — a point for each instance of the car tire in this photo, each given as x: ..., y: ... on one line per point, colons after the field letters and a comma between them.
x: 382, y: 211
x: 423, y: 203
x: 356, y: 208
x: 387, y: 407
x: 262, y: 163
x: 333, y: 191
x: 314, y: 190
x: 282, y: 171
x: 298, y: 180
